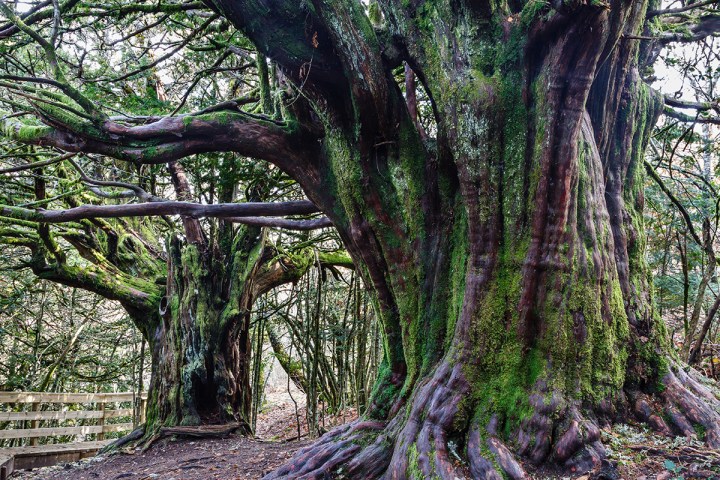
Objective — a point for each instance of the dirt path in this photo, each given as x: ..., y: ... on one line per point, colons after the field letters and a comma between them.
x: 233, y: 458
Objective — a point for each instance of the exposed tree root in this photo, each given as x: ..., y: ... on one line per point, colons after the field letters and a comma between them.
x: 684, y: 407
x: 204, y: 431
x: 200, y: 431
x: 341, y: 452
x: 130, y: 438
x: 437, y: 438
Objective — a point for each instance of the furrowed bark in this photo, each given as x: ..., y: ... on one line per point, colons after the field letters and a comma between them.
x: 507, y: 259
x: 201, y: 346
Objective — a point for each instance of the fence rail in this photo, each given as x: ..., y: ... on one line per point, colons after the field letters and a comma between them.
x: 42, y: 397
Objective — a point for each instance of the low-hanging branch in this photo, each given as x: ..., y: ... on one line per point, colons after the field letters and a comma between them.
x: 220, y: 210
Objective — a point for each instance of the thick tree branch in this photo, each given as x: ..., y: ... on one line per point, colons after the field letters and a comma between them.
x: 280, y: 267
x: 183, y: 192
x: 709, y: 25
x: 171, y: 138
x: 222, y: 210
x: 138, y: 293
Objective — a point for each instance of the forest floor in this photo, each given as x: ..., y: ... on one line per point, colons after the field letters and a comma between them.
x: 634, y: 453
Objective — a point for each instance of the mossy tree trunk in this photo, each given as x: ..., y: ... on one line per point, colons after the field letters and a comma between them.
x: 201, y: 346
x: 201, y: 340
x: 505, y: 253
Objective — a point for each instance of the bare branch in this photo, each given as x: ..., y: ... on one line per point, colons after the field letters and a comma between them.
x: 220, y: 210
x: 190, y: 37
x: 701, y: 106
x: 134, y: 189
x: 692, y: 6
x: 671, y: 196
x: 33, y: 165
x: 683, y: 117
x: 51, y: 55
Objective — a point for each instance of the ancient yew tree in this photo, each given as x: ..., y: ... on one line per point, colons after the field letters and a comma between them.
x: 503, y: 240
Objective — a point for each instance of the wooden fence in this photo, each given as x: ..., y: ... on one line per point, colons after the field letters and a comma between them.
x: 33, y: 409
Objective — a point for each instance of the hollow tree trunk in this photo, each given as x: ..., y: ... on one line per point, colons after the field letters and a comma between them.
x: 506, y: 258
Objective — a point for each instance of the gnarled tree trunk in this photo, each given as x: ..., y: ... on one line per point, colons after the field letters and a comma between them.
x: 200, y: 338
x: 200, y: 341
x: 506, y: 255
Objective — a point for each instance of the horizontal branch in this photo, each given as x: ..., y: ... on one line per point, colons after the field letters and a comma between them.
x: 170, y: 138
x: 708, y: 26
x: 132, y: 190
x: 683, y: 117
x: 220, y: 210
x: 43, y: 163
x: 700, y: 106
x: 284, y: 223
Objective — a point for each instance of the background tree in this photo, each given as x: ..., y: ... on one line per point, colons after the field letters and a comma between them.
x: 682, y: 161
x: 192, y: 296
x: 503, y: 240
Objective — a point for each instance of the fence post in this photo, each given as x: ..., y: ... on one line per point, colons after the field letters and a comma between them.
x: 101, y: 421
x: 35, y: 407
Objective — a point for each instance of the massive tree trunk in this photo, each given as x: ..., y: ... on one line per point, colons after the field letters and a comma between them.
x: 201, y: 344
x: 505, y: 254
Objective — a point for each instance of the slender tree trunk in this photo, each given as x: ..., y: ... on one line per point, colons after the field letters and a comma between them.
x: 695, y: 352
